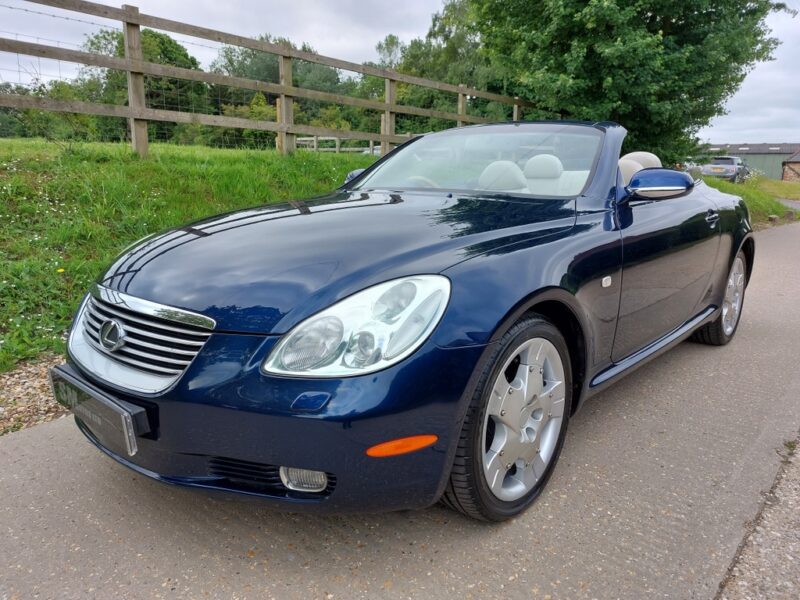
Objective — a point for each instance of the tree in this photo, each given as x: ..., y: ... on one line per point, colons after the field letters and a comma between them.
x: 450, y: 52
x: 106, y: 85
x: 661, y: 68
x: 390, y: 51
x: 255, y: 64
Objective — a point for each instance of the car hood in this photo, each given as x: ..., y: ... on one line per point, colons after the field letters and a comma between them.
x: 264, y: 269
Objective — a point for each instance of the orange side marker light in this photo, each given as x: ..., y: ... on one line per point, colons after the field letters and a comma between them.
x: 402, y: 445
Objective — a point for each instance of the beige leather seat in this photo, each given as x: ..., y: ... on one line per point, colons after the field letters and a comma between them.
x: 543, y: 175
x: 646, y: 159
x: 502, y: 176
x: 572, y: 182
x: 633, y: 162
x: 628, y: 168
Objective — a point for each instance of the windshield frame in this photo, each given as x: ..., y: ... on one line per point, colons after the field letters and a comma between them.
x: 355, y: 183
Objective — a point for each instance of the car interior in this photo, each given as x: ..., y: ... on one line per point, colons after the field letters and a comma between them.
x: 545, y: 175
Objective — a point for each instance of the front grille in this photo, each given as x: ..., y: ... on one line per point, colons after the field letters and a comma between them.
x: 257, y: 477
x: 151, y: 344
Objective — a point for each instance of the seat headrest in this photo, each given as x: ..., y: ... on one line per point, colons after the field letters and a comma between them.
x: 543, y: 166
x: 628, y: 168
x: 646, y: 159
x: 502, y: 176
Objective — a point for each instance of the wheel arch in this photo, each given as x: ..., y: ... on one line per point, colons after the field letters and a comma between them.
x: 560, y: 308
x: 748, y: 246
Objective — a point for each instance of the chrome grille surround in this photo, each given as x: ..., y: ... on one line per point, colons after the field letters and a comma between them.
x: 159, y: 341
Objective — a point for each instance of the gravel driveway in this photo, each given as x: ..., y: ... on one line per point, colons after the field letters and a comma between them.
x: 25, y: 397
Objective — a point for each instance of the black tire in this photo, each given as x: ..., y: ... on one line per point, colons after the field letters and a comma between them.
x: 713, y: 334
x: 467, y: 490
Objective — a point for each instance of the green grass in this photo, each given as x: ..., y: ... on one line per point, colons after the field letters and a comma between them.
x: 759, y: 194
x: 780, y: 189
x: 65, y: 214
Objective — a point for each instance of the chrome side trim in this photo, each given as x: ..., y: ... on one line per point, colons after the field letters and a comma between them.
x: 153, y: 309
x: 662, y: 188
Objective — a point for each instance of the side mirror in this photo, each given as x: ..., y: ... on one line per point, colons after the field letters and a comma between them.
x: 660, y: 184
x: 352, y: 175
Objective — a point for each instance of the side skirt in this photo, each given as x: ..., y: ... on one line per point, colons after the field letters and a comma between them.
x: 629, y: 364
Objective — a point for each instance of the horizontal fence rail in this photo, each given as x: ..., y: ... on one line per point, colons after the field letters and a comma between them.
x: 139, y: 114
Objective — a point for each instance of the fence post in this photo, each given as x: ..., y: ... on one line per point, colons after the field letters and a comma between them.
x: 287, y: 142
x: 462, y: 105
x: 136, y: 99
x: 517, y: 107
x: 388, y: 120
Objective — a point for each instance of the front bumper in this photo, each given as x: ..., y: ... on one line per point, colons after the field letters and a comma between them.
x: 227, y: 426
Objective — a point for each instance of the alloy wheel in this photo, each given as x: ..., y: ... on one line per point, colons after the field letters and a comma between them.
x: 734, y: 292
x: 523, y: 419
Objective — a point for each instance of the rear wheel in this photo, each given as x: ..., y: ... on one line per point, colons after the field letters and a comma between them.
x: 515, y: 425
x: 721, y: 331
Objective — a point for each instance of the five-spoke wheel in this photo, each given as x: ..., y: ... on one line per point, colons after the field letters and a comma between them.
x: 720, y: 331
x: 734, y: 294
x: 523, y: 419
x: 515, y: 424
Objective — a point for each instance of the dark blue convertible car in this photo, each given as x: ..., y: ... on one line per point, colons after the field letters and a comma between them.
x: 424, y: 333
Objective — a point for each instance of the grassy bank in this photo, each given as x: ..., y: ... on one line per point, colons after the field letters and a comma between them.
x: 760, y: 195
x: 66, y: 214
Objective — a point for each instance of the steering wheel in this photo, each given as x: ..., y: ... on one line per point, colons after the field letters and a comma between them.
x: 424, y: 181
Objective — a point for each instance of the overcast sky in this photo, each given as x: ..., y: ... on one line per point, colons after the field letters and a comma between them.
x: 766, y: 108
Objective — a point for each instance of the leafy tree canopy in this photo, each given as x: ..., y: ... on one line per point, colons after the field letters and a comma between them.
x: 661, y: 68
x: 451, y: 52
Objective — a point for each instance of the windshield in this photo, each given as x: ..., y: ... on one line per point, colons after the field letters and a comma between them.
x: 722, y: 160
x: 549, y: 160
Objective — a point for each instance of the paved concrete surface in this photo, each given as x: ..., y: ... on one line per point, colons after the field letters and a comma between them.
x: 658, y: 481
x: 795, y: 204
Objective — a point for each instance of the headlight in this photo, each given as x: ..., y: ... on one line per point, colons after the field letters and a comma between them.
x: 367, y: 332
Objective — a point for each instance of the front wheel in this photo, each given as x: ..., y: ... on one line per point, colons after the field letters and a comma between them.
x: 515, y: 425
x: 722, y: 330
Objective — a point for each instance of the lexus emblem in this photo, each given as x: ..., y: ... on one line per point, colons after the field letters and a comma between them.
x: 112, y: 335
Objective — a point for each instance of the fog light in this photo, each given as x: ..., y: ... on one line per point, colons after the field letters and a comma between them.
x: 303, y: 480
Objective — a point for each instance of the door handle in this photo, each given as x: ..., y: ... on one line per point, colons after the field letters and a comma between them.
x: 712, y: 217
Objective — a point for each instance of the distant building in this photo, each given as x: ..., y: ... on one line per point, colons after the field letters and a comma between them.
x: 766, y: 158
x: 791, y: 168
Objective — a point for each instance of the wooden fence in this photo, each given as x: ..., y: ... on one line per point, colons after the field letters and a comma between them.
x: 286, y: 129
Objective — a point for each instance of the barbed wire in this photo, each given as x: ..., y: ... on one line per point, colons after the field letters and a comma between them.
x: 177, y: 37
x: 60, y: 43
x: 55, y: 16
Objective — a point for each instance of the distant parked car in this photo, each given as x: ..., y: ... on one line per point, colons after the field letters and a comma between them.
x: 732, y: 168
x: 424, y: 332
